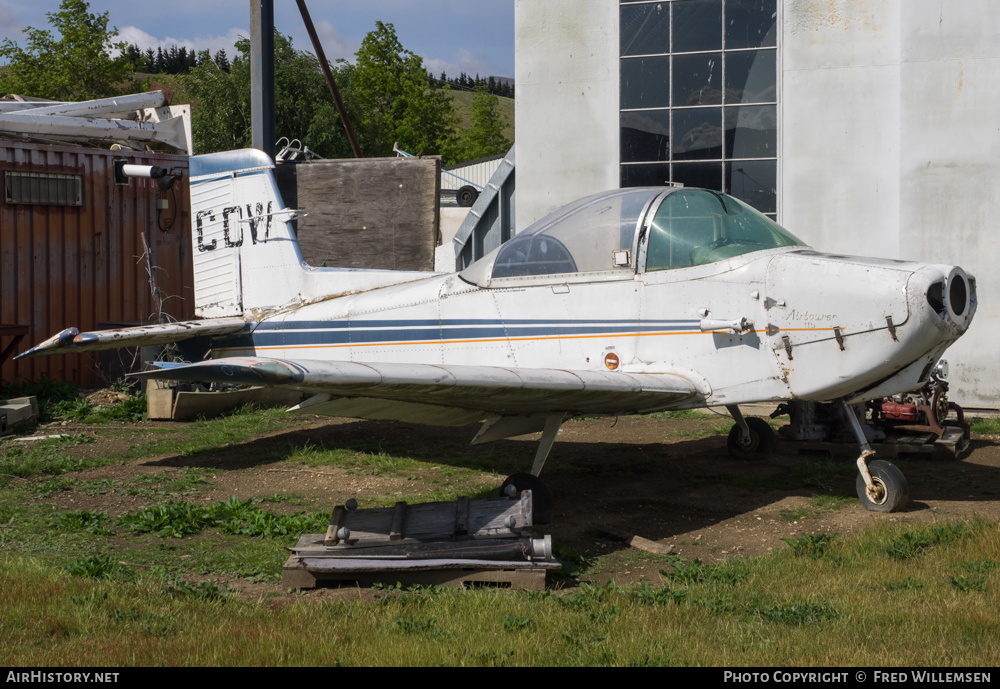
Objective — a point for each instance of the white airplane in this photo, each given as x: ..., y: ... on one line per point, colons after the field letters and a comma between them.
x: 626, y: 302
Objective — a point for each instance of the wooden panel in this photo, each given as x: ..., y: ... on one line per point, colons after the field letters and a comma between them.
x: 377, y: 213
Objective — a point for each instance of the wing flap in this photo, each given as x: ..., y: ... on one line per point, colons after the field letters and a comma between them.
x: 72, y: 340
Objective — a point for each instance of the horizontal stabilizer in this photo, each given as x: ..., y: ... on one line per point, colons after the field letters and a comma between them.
x: 72, y: 340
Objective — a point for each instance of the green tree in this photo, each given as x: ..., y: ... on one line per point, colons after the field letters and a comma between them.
x: 76, y: 65
x: 395, y: 100
x: 221, y: 117
x: 220, y: 112
x: 486, y: 135
x: 386, y: 93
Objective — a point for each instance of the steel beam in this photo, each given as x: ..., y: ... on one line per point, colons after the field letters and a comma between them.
x: 262, y: 129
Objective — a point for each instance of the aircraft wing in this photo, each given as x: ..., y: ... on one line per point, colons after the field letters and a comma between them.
x: 71, y: 340
x: 447, y: 395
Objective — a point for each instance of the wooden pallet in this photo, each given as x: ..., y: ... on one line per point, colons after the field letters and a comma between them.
x: 306, y: 572
x: 953, y: 445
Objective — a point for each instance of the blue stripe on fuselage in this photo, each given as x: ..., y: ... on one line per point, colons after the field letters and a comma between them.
x: 319, y: 333
x: 448, y: 322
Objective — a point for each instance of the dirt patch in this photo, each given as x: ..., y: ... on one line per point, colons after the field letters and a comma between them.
x: 652, y: 477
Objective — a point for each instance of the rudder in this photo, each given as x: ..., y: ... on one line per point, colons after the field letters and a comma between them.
x: 245, y: 255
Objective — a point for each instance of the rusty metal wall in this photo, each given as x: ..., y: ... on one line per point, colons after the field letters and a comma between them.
x: 78, y: 267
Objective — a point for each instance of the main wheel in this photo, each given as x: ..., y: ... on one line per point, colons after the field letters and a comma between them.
x: 542, y: 502
x: 892, y: 490
x: 758, y: 445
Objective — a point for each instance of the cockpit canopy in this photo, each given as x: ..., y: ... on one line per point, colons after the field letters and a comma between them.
x: 600, y: 236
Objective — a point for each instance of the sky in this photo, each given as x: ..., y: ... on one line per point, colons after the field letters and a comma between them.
x: 453, y: 36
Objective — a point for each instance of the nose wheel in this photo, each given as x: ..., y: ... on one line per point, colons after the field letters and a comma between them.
x: 881, y: 486
x: 889, y: 491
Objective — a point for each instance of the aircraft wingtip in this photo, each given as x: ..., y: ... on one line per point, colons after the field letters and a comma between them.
x: 57, y: 341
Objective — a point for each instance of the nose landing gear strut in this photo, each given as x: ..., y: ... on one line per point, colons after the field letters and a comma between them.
x: 881, y: 485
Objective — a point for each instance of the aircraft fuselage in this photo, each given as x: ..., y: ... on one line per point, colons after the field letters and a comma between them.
x: 824, y: 326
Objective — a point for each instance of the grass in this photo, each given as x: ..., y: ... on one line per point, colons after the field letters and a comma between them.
x: 683, y: 414
x: 167, y: 583
x: 936, y: 608
x: 371, y: 460
x: 173, y: 483
x: 83, y: 411
x: 831, y: 502
x: 179, y: 519
x: 44, y: 457
x: 703, y: 431
x: 463, y: 107
x: 207, y: 435
x: 811, y: 545
x: 990, y: 426
x: 177, y: 534
x: 794, y: 515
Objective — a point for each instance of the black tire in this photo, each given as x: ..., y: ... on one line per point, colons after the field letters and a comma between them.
x: 894, y: 490
x: 542, y: 502
x: 760, y: 443
x: 466, y: 196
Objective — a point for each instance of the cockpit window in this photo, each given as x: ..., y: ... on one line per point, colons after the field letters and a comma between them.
x: 696, y: 226
x: 591, y: 235
x: 593, y: 238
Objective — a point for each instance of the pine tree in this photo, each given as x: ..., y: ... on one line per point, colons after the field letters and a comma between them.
x: 221, y: 60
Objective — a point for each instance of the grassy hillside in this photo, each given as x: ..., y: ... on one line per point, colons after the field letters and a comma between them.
x: 463, y: 106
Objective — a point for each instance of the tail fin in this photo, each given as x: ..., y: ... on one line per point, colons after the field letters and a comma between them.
x: 245, y: 254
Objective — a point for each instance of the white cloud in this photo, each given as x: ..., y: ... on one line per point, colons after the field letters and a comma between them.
x: 227, y: 42
x: 466, y: 62
x: 335, y: 46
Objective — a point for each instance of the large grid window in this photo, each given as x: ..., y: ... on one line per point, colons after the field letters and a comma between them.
x: 699, y: 96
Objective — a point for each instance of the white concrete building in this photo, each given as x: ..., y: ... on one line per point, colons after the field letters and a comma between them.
x: 864, y: 126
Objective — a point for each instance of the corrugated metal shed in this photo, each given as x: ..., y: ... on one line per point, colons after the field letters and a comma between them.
x: 476, y: 171
x: 81, y: 265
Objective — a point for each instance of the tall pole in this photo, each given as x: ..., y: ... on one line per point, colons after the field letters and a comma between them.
x: 330, y: 83
x: 262, y: 134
